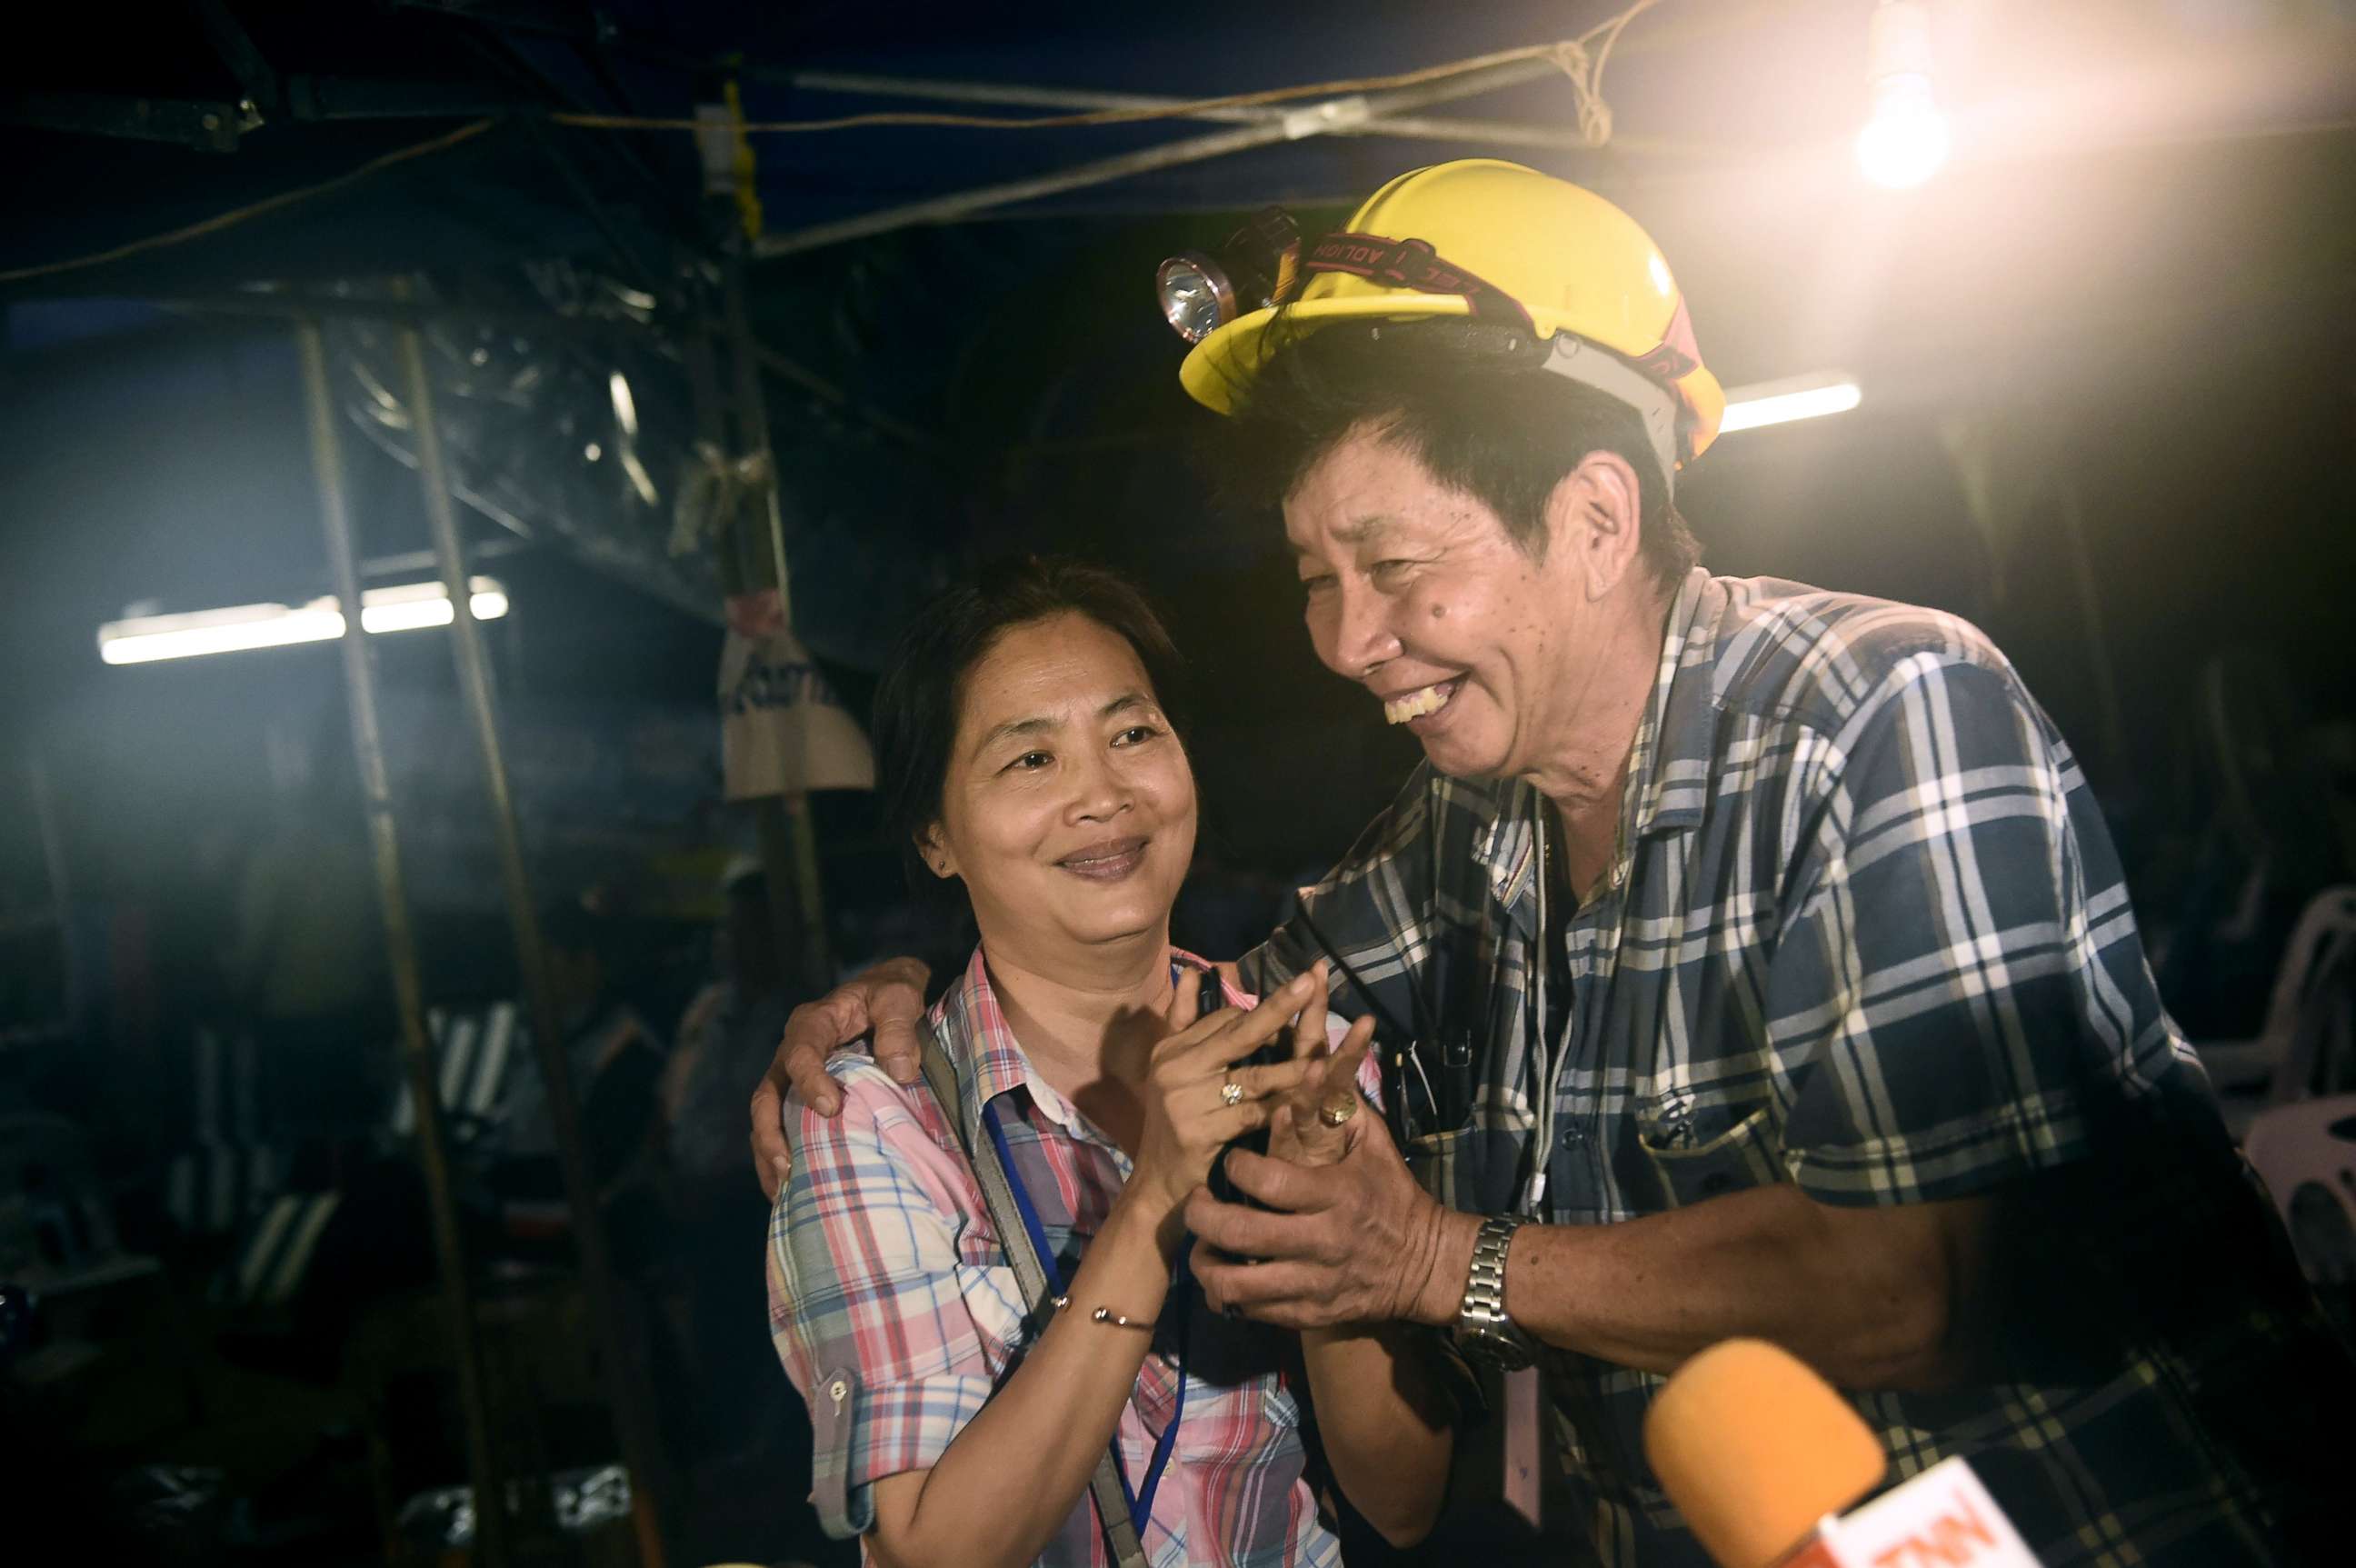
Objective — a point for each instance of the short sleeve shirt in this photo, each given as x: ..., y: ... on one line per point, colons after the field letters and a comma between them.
x: 897, y: 1315
x: 1864, y: 932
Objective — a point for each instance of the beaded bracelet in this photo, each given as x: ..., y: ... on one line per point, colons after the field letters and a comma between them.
x: 1104, y: 1315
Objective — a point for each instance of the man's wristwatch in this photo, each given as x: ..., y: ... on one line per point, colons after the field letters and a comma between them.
x: 1483, y: 1331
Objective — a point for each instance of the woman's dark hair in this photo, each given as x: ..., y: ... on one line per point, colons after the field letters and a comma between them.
x: 922, y: 693
x: 1498, y: 427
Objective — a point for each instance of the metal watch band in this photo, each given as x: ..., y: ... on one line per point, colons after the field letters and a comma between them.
x: 1482, y: 1326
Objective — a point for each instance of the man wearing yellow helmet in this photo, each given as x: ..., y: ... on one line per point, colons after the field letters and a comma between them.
x: 1748, y: 959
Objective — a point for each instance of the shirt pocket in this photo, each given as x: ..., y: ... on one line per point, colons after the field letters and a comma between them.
x: 1432, y: 1158
x: 1247, y: 1422
x: 1697, y: 1155
x: 1280, y: 1404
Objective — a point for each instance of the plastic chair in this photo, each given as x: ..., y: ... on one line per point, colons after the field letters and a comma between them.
x: 474, y: 1051
x: 2322, y: 942
x: 2306, y: 1155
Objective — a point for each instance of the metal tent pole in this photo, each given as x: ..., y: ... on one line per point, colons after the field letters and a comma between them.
x: 416, y: 1045
x: 779, y: 882
x: 788, y: 838
x: 632, y: 1401
x: 1313, y: 120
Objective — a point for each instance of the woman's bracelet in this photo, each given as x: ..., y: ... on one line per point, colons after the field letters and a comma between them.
x: 1105, y: 1315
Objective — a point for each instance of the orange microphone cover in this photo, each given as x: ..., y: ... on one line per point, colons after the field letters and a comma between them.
x: 1755, y: 1449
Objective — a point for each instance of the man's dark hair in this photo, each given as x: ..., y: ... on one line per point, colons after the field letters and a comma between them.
x: 1497, y: 427
x: 922, y: 690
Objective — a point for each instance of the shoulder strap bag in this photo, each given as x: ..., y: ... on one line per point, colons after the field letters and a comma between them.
x: 1030, y: 1274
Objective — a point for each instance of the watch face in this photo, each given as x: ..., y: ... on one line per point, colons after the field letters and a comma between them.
x: 1508, y: 1351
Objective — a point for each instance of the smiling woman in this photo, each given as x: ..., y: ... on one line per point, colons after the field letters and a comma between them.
x: 1070, y: 810
x: 921, y: 702
x: 1026, y: 755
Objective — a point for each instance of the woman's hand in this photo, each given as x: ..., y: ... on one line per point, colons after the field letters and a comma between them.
x: 1190, y: 1112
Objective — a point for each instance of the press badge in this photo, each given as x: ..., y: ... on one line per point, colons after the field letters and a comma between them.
x: 1523, y: 1481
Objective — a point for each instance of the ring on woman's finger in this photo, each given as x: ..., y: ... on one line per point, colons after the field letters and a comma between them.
x: 1231, y: 1093
x: 1339, y: 1111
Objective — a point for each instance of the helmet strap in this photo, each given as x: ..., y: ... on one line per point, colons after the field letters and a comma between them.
x: 1412, y: 264
x: 1566, y: 354
x: 1415, y: 265
x: 1576, y: 358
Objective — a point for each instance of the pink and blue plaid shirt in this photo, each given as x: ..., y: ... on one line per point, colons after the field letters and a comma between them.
x: 897, y: 1315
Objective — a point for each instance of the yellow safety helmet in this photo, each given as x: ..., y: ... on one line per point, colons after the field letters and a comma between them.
x: 1479, y: 238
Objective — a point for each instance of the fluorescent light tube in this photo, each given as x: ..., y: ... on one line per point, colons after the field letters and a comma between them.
x: 145, y: 640
x: 1796, y: 397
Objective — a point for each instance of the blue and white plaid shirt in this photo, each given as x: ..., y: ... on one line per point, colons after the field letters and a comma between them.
x: 1864, y: 932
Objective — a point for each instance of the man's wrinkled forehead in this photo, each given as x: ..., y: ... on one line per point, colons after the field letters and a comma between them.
x: 1374, y: 528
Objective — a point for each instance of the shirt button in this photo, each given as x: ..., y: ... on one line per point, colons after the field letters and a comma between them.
x: 837, y: 1390
x: 1572, y: 1136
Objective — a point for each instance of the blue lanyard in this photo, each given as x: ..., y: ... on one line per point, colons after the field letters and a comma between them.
x: 1140, y: 1502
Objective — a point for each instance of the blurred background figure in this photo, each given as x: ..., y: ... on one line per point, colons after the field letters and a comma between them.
x: 744, y: 1003
x: 307, y: 966
x: 616, y: 1062
x: 744, y: 1409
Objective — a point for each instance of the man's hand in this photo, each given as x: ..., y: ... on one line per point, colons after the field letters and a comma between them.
x: 886, y: 1002
x: 1352, y: 1242
x: 1300, y: 1134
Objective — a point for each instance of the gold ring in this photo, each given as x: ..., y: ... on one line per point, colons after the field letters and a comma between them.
x: 1232, y: 1092
x: 1338, y: 1112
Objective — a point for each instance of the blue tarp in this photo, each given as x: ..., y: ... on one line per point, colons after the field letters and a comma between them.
x: 1693, y: 72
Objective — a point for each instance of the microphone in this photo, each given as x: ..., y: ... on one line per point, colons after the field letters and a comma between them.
x: 1755, y: 1450
x: 1762, y: 1456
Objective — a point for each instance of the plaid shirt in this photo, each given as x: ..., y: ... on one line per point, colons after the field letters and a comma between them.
x: 897, y: 1315
x: 1864, y: 932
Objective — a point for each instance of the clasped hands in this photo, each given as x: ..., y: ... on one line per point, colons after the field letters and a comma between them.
x: 1347, y: 1237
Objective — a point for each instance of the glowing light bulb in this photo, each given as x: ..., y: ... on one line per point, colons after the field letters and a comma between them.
x: 1905, y: 140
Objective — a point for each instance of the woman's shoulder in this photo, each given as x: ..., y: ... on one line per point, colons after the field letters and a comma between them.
x: 889, y: 1145
x: 872, y: 1100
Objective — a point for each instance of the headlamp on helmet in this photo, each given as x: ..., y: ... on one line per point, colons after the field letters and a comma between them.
x: 1258, y: 269
x: 1261, y: 266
